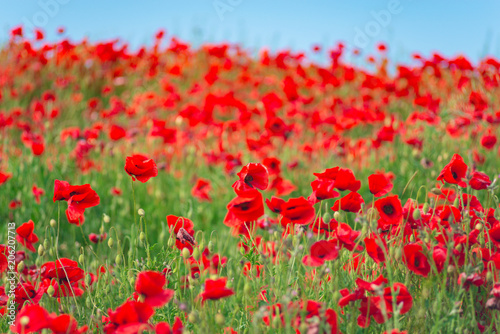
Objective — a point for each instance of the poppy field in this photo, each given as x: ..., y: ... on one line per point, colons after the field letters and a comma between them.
x: 180, y: 189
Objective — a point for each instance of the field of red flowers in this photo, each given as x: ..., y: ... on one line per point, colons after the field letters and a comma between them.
x: 175, y: 189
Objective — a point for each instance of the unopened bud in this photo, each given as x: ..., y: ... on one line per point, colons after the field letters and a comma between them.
x: 110, y: 242
x: 101, y: 229
x: 242, y: 250
x: 436, y: 191
x: 337, y: 216
x: 41, y: 250
x: 20, y: 267
x: 88, y: 280
x: 118, y: 259
x: 456, y: 202
x: 81, y: 258
x: 46, y: 244
x: 142, y: 236
x: 196, y: 254
x: 106, y: 218
x: 416, y: 214
x: 53, y: 223
x: 141, y: 212
x: 51, y: 291
x: 219, y: 319
x: 171, y: 242
x: 24, y: 320
x: 425, y: 207
x: 185, y: 253
x: 479, y: 226
x: 211, y: 246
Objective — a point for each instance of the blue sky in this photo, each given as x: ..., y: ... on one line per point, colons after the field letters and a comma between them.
x: 450, y: 27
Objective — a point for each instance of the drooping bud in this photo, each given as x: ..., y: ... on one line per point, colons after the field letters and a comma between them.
x: 110, y: 242
x: 196, y: 253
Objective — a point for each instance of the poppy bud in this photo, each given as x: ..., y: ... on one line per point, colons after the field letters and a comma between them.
x: 88, y: 279
x: 142, y: 236
x: 101, y: 230
x: 141, y: 212
x: 53, y: 223
x: 20, y: 267
x: 81, y: 258
x: 46, y: 244
x: 479, y: 226
x: 51, y: 291
x: 497, y: 213
x: 451, y: 269
x: 242, y: 250
x: 456, y: 202
x: 219, y: 319
x: 247, y: 289
x: 337, y: 216
x: 118, y: 259
x: 170, y: 242
x: 110, y: 242
x: 336, y: 295
x: 436, y: 191
x: 416, y: 214
x: 38, y: 261
x: 276, y: 235
x: 489, y: 276
x: 193, y: 316
x: 106, y: 218
x: 425, y: 208
x: 41, y: 250
x: 24, y: 320
x: 131, y: 280
x: 303, y: 328
x: 459, y: 247
x: 327, y: 217
x: 196, y: 254
x: 185, y: 253
x: 210, y: 246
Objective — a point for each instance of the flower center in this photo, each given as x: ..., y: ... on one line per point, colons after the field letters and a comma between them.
x: 388, y: 209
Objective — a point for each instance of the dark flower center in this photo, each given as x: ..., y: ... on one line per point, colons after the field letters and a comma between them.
x: 455, y: 176
x: 388, y: 209
x: 244, y: 206
x: 248, y: 178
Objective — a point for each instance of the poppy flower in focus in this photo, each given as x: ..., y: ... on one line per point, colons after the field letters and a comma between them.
x: 150, y: 285
x: 79, y: 198
x: 415, y: 260
x: 140, y: 167
x: 379, y: 184
x: 390, y: 210
x: 255, y: 175
x: 297, y: 211
x: 350, y: 203
x: 215, y: 289
x: 64, y: 275
x: 183, y: 230
x: 320, y: 252
x: 454, y: 172
x: 247, y: 207
x: 38, y: 319
x: 130, y: 317
x: 26, y: 236
x: 65, y: 324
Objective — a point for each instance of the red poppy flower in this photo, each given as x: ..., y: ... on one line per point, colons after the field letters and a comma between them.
x: 201, y: 190
x: 439, y: 255
x: 97, y: 238
x: 26, y: 236
x: 130, y: 317
x: 275, y: 204
x: 323, y: 189
x: 183, y: 230
x: 473, y: 279
x: 247, y: 207
x: 65, y: 324
x: 344, y: 178
x: 296, y: 211
x: 37, y: 192
x: 215, y: 289
x: 415, y: 260
x: 116, y: 132
x: 26, y: 292
x: 376, y: 247
x: 4, y: 177
x: 390, y: 210
x: 255, y: 175
x: 321, y: 251
x: 38, y: 319
x: 479, y: 181
x: 488, y: 141
x: 150, y: 285
x: 64, y: 274
x: 164, y: 327
x: 140, y: 167
x: 273, y: 166
x: 79, y: 198
x: 454, y: 172
x: 350, y: 203
x: 379, y: 184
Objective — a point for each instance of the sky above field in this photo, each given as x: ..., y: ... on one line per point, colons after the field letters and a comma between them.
x: 450, y: 27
